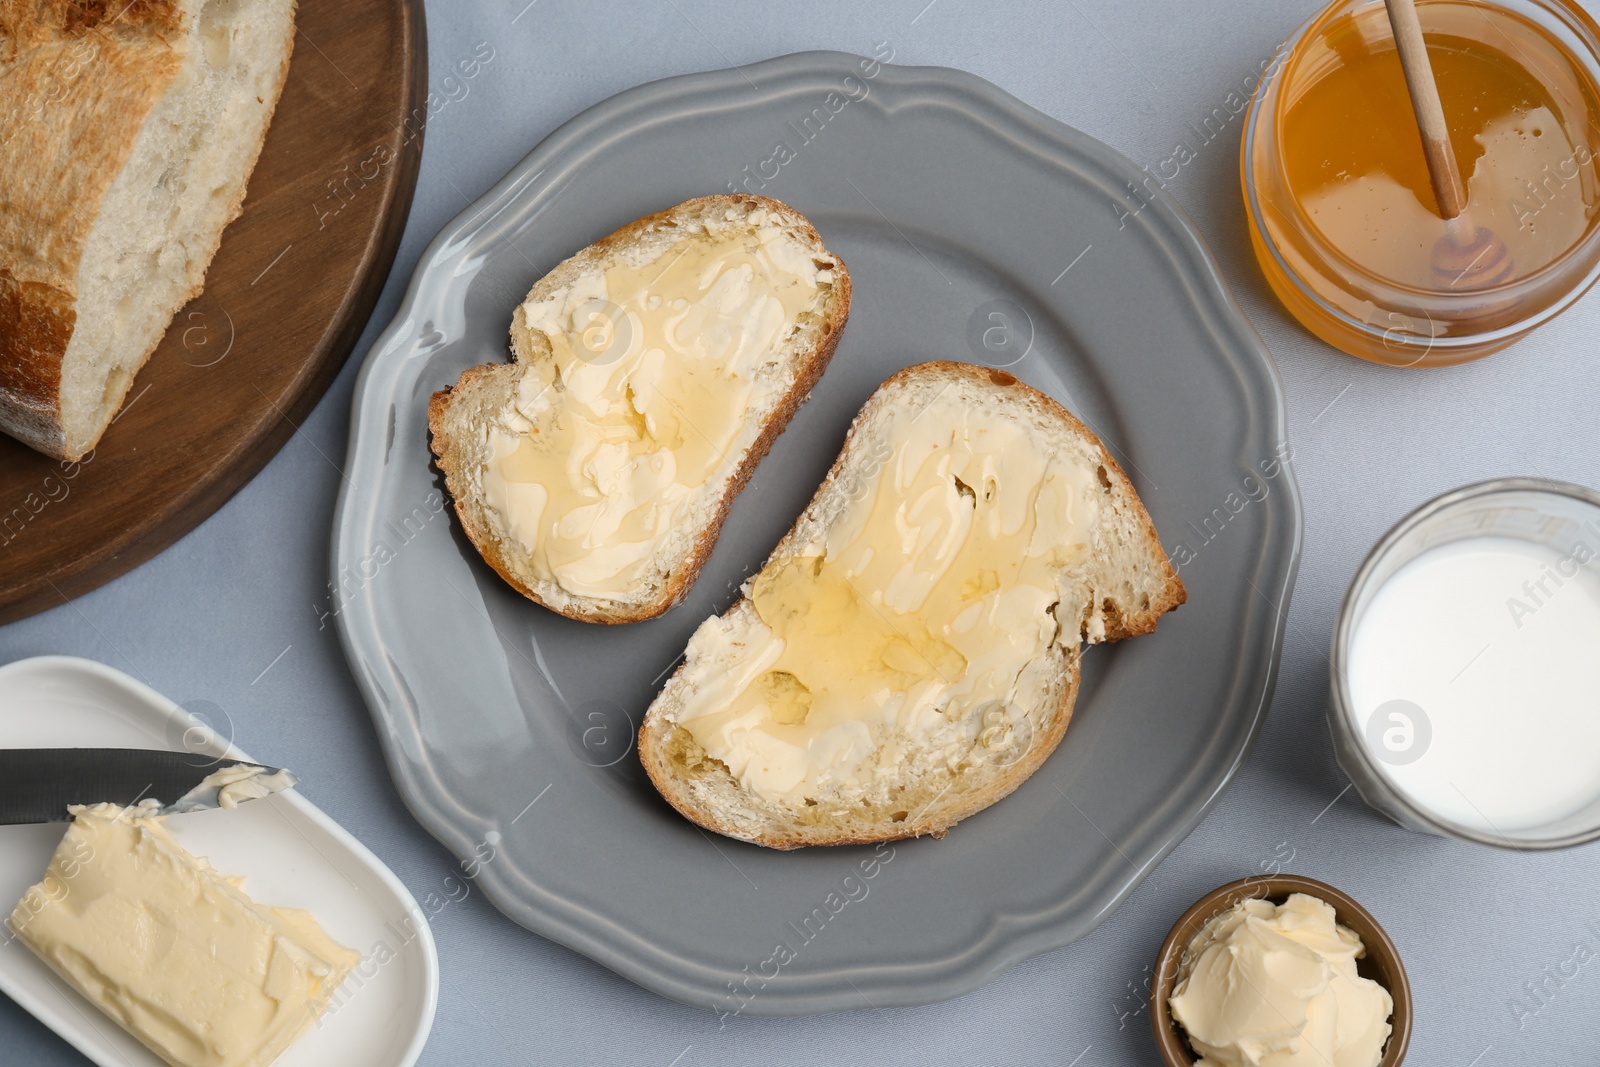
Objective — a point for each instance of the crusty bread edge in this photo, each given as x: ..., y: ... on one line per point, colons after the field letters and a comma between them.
x: 682, y: 578
x: 654, y: 732
x: 29, y: 424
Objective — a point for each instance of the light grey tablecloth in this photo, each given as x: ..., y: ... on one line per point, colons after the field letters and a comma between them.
x: 207, y: 618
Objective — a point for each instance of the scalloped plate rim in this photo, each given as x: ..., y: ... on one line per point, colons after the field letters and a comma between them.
x: 622, y: 949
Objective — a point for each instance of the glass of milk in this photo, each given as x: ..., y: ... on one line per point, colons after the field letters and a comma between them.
x: 1466, y: 667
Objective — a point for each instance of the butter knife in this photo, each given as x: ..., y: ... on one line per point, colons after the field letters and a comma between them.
x: 38, y: 784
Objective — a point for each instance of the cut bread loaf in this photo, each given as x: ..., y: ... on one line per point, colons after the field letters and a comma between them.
x: 908, y: 654
x: 653, y: 371
x: 130, y: 131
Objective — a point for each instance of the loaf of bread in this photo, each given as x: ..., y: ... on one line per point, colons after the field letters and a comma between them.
x: 128, y: 129
x: 909, y: 653
x: 653, y: 371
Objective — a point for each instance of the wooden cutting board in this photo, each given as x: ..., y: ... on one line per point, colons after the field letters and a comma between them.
x: 285, y: 298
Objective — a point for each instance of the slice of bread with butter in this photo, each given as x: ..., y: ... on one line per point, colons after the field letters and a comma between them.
x: 653, y: 371
x: 909, y: 653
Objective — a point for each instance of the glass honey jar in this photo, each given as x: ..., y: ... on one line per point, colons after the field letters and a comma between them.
x: 1342, y: 215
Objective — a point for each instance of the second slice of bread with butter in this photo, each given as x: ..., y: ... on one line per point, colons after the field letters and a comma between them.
x: 653, y: 371
x: 909, y: 653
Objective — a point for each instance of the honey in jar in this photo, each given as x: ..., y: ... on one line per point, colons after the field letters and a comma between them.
x: 1344, y: 217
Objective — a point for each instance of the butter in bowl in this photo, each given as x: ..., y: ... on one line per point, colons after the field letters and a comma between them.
x: 1281, y: 971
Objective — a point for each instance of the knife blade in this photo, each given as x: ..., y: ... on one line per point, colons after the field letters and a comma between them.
x: 38, y: 784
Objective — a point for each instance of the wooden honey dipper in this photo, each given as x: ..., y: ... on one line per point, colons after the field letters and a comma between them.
x: 1468, y: 257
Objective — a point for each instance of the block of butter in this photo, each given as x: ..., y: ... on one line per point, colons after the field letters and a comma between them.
x: 174, y: 952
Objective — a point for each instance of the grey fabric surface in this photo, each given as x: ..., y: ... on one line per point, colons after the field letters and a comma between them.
x: 246, y: 590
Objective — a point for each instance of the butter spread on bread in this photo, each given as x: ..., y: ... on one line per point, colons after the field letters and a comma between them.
x: 131, y: 129
x: 653, y: 371
x: 909, y: 652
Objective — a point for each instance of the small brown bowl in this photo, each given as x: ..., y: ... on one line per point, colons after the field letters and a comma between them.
x: 1381, y: 962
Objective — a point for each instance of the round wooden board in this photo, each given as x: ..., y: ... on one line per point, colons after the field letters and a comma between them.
x: 285, y: 299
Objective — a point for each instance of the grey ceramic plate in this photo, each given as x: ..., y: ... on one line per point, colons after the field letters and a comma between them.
x: 975, y: 228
